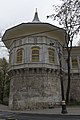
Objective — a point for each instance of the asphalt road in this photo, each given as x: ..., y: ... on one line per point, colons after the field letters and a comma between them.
x: 25, y: 116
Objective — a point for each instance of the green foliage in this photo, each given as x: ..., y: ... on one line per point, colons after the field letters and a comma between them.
x: 4, y: 81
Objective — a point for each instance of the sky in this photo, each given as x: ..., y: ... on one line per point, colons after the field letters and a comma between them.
x: 14, y: 12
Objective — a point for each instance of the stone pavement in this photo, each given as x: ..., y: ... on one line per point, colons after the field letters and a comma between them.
x: 71, y: 110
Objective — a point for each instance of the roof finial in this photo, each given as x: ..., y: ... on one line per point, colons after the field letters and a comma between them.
x: 36, y: 18
x: 36, y: 9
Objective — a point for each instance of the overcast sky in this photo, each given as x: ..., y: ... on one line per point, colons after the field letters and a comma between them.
x: 14, y: 12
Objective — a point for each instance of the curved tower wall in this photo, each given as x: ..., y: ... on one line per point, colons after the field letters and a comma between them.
x: 34, y: 89
x: 34, y: 85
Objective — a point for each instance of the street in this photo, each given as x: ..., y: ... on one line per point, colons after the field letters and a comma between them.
x: 27, y: 116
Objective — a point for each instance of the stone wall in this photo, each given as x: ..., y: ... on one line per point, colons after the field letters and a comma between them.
x: 74, y: 87
x: 34, y: 89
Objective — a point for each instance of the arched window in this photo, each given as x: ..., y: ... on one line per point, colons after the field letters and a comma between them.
x: 35, y: 54
x: 74, y: 62
x: 19, y: 55
x: 51, y: 55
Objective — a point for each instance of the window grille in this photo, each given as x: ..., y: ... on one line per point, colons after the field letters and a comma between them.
x: 19, y: 55
x: 51, y: 55
x: 35, y: 54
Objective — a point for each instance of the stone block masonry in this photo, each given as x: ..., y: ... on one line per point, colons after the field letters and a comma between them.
x: 34, y: 88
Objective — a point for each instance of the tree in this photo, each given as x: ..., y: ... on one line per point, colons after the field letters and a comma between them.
x: 68, y: 15
x: 4, y: 80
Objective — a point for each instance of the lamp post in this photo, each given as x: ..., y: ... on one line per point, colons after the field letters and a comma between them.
x: 64, y: 110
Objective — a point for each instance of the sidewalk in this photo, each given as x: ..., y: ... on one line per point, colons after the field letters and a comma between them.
x: 56, y: 111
